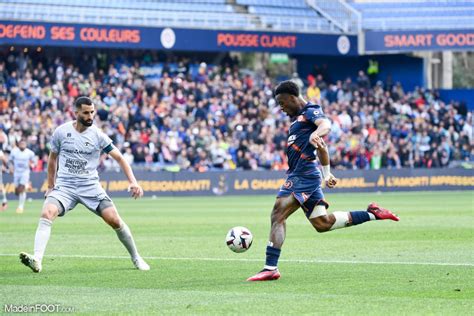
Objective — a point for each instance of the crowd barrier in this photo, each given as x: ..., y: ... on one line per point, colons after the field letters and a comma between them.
x: 267, y: 182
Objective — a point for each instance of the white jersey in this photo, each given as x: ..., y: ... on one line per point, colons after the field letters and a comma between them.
x: 2, y: 155
x: 21, y: 160
x: 79, y: 154
x: 1, y: 166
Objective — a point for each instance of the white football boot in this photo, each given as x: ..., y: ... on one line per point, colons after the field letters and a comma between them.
x: 31, y: 262
x: 140, y: 264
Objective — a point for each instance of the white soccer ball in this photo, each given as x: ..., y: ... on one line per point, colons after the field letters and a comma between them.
x: 239, y: 239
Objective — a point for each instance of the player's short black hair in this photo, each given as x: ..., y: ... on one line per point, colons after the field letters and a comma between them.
x: 288, y: 87
x: 82, y: 100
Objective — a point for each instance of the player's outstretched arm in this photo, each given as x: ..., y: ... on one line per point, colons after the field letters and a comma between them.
x: 323, y: 156
x: 52, y: 167
x: 133, y: 187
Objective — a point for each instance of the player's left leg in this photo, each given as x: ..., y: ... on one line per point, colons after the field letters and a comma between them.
x: 109, y: 214
x: 21, y: 181
x: 323, y: 222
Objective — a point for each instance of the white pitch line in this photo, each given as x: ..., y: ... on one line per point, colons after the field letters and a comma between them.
x: 260, y: 260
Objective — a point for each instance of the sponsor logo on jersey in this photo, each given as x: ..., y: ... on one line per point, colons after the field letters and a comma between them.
x: 291, y: 139
x: 77, y: 151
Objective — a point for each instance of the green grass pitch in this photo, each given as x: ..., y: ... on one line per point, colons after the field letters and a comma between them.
x: 420, y: 265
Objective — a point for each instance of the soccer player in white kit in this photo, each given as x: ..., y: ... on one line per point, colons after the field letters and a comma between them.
x: 21, y: 158
x: 3, y: 162
x: 75, y: 152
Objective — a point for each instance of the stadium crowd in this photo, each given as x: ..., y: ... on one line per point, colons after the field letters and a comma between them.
x: 194, y: 116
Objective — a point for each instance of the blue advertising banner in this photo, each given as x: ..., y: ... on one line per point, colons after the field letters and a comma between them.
x: 459, y: 95
x: 408, y: 41
x: 108, y: 36
x: 267, y: 182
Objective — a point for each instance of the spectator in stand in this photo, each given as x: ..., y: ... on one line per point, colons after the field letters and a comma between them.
x: 192, y: 115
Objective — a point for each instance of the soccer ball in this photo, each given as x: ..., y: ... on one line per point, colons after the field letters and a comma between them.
x: 239, y: 239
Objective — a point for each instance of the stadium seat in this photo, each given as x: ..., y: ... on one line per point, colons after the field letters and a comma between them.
x: 422, y: 14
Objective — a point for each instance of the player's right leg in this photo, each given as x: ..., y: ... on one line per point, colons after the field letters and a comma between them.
x: 4, y: 192
x: 51, y: 209
x: 20, y: 191
x: 21, y: 181
x: 283, y: 208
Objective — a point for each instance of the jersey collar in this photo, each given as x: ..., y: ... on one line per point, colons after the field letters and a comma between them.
x: 308, y: 105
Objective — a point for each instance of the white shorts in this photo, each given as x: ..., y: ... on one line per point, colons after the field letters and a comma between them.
x: 21, y: 179
x: 90, y: 196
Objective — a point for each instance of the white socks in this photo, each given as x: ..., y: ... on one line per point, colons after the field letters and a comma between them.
x: 44, y: 231
x: 4, y: 195
x: 41, y: 238
x: 22, y: 198
x: 342, y: 219
x: 125, y: 236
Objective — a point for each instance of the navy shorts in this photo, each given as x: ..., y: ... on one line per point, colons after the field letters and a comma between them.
x: 306, y: 189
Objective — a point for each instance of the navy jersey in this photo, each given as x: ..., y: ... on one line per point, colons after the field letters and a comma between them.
x: 300, y: 152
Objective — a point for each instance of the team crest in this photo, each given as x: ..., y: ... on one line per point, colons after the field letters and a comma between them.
x: 221, y: 187
x: 288, y: 184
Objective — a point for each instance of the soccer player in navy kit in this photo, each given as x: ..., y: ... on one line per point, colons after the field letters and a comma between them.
x: 302, y: 188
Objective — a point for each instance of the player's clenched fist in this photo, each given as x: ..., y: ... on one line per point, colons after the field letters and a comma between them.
x: 48, y: 192
x: 136, y: 190
x: 331, y: 182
